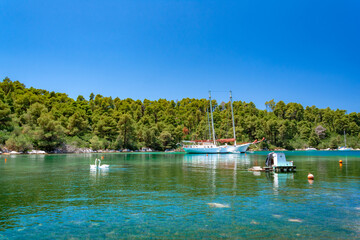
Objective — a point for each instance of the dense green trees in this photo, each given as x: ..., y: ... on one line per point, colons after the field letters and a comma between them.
x: 37, y: 119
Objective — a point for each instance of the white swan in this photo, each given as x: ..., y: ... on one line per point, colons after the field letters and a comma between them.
x: 94, y: 167
x: 98, y: 165
x: 102, y: 166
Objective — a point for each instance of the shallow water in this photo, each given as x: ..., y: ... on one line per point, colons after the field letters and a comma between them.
x: 179, y: 196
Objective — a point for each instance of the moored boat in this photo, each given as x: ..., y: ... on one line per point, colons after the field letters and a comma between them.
x: 204, y: 148
x: 211, y: 146
x: 344, y: 148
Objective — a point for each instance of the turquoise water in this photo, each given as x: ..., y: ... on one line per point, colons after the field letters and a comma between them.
x: 179, y: 196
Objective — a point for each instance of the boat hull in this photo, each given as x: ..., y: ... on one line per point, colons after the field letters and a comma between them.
x: 222, y: 149
x: 239, y: 148
x: 204, y: 150
x: 345, y: 149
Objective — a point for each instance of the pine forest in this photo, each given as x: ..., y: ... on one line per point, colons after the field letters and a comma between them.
x: 38, y: 119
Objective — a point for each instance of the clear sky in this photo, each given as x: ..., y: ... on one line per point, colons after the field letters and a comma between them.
x: 296, y: 51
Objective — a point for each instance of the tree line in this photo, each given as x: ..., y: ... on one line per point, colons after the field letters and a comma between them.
x: 33, y: 118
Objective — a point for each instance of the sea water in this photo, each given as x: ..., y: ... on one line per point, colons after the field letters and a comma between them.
x: 179, y: 196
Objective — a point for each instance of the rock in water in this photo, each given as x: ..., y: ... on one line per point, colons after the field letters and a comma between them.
x: 295, y: 220
x: 218, y: 205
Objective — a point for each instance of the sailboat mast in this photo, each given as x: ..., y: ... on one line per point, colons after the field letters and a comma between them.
x: 207, y: 112
x: 212, y: 119
x: 232, y: 114
x: 345, y: 138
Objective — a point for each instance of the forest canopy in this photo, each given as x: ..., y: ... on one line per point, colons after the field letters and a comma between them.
x: 33, y: 118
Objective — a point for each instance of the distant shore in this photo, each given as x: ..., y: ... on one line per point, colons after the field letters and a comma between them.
x: 40, y: 152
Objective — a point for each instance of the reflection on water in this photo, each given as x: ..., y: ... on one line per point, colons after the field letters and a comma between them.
x: 223, y: 161
x: 180, y: 196
x: 96, y: 174
x: 282, y: 179
x: 216, y: 162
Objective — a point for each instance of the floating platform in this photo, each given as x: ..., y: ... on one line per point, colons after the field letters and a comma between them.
x: 275, y: 162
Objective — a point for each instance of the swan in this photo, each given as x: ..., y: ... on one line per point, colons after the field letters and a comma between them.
x: 98, y: 165
x: 94, y: 167
x: 102, y: 166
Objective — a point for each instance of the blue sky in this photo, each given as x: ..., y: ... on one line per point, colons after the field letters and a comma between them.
x: 296, y: 51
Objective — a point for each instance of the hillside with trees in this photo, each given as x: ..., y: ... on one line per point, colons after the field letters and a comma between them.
x: 38, y: 119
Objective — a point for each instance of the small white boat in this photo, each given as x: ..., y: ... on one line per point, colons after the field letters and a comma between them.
x: 345, y: 148
x: 310, y: 149
x: 14, y: 152
x: 36, y: 152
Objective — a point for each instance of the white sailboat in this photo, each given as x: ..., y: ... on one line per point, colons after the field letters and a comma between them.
x: 205, y: 146
x: 208, y: 146
x: 344, y: 148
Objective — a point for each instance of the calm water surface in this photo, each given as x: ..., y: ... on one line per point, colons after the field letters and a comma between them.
x: 179, y: 196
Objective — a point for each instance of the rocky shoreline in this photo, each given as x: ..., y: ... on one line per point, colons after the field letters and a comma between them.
x: 72, y: 149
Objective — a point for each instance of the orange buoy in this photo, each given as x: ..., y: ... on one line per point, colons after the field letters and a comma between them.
x: 310, y: 176
x: 5, y: 160
x: 340, y: 161
x: 102, y: 157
